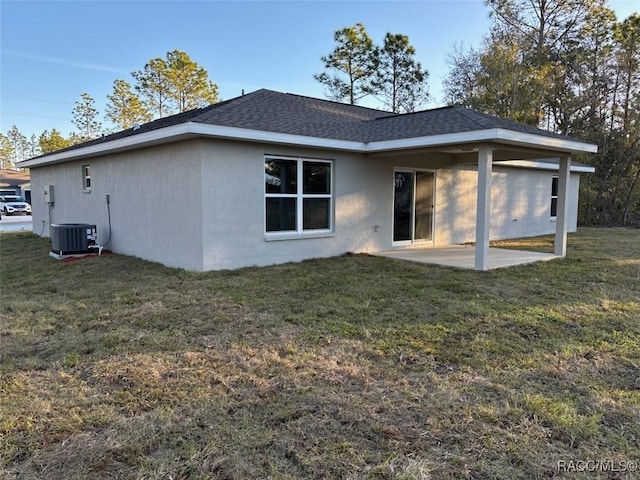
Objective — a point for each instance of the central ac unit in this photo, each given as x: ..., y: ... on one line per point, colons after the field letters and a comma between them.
x: 72, y: 238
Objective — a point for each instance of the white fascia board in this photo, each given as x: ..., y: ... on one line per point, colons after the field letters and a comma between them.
x: 529, y: 139
x: 191, y: 129
x: 497, y: 135
x: 235, y: 133
x: 154, y: 137
x: 543, y: 166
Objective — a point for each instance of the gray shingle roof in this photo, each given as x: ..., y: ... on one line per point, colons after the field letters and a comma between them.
x: 440, y: 121
x: 269, y: 111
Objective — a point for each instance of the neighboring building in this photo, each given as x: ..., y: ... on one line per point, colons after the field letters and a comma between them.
x: 269, y: 178
x: 15, y: 182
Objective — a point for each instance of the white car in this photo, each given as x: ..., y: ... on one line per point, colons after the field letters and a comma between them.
x: 14, y: 205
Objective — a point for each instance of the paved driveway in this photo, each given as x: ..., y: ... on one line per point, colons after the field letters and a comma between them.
x: 16, y: 223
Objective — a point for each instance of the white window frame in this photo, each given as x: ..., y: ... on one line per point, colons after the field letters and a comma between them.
x: 555, y: 179
x: 414, y: 174
x: 86, y: 178
x: 300, y: 196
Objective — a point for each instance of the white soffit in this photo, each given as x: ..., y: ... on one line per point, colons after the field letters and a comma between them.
x: 190, y: 129
x: 542, y: 165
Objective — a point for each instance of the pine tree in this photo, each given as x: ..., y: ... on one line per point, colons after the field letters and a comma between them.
x: 189, y: 84
x: 351, y: 65
x: 84, y: 118
x: 125, y: 108
x: 400, y: 80
x: 174, y: 84
x: 19, y: 146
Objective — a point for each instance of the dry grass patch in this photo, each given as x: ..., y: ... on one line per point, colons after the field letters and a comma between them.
x: 354, y: 367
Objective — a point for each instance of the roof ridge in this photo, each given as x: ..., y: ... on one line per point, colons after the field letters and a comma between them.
x: 474, y: 116
x: 406, y: 114
x: 350, y: 105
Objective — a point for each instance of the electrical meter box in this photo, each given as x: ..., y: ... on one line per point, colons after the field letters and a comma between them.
x: 48, y: 194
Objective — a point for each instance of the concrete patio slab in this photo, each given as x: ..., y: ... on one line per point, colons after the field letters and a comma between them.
x: 463, y: 256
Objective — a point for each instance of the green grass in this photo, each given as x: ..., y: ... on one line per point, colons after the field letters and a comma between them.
x: 353, y: 367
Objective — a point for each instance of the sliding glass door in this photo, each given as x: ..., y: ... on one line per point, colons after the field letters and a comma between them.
x: 413, y: 206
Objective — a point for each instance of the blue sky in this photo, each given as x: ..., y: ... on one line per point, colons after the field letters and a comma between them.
x: 52, y: 51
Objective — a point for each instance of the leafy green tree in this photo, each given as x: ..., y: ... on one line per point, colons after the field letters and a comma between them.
x: 53, y: 141
x: 349, y: 69
x: 125, y: 108
x: 569, y: 66
x: 85, y: 118
x: 495, y: 80
x: 627, y: 36
x: 542, y: 25
x: 627, y: 122
x: 542, y: 29
x: 6, y: 152
x: 461, y: 84
x: 583, y: 76
x: 400, y: 81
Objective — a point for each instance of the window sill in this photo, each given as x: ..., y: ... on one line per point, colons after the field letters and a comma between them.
x: 553, y: 219
x: 274, y: 237
x: 86, y: 191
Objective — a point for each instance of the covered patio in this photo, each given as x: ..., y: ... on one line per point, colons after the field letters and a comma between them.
x: 482, y: 151
x: 464, y: 256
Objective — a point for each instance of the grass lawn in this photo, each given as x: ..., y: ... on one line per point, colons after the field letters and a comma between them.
x: 353, y: 367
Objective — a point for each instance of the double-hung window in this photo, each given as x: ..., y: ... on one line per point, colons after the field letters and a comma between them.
x: 298, y: 195
x: 554, y: 197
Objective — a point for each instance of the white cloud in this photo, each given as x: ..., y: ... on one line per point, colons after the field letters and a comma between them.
x: 70, y: 63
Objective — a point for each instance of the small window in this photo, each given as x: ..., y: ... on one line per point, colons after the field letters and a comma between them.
x: 298, y: 195
x: 554, y: 197
x: 86, y: 178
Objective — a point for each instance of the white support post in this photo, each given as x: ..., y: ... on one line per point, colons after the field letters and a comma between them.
x: 483, y: 215
x: 560, y: 247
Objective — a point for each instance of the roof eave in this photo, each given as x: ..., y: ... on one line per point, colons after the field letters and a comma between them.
x: 187, y: 130
x: 140, y: 140
x: 192, y: 129
x: 493, y: 135
x: 235, y: 133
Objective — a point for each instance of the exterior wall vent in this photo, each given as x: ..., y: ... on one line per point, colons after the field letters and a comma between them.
x: 73, y: 239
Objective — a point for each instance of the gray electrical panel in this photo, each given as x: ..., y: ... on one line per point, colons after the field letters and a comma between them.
x: 48, y: 194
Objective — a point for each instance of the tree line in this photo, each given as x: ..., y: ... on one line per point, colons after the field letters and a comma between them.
x: 164, y: 86
x: 571, y: 67
x: 176, y: 83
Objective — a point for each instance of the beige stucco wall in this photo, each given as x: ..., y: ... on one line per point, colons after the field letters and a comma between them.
x: 155, y: 201
x: 234, y: 203
x: 520, y: 203
x: 199, y: 204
